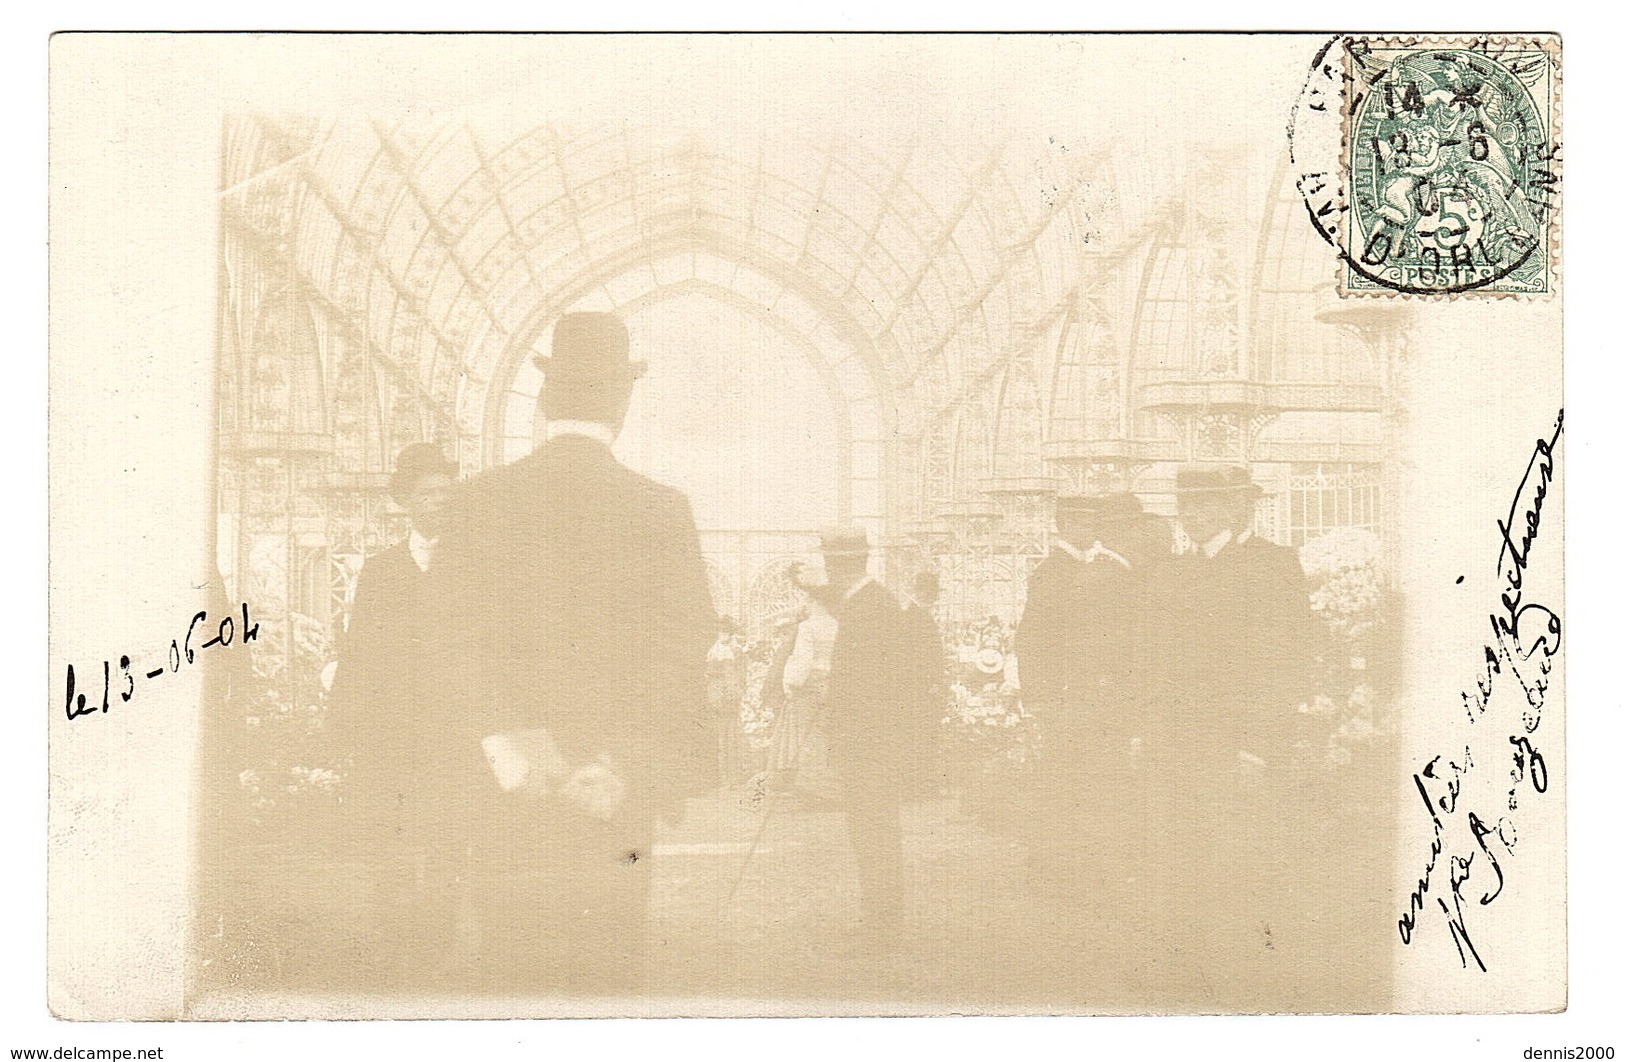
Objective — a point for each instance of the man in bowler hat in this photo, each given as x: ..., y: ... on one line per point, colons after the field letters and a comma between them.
x: 383, y: 722
x: 1077, y: 648
x: 1074, y: 642
x: 1232, y: 650
x: 1238, y: 631
x: 583, y: 617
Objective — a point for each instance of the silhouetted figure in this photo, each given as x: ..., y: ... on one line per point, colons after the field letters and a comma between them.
x: 581, y: 619
x: 1077, y: 648
x: 1231, y: 643
x: 383, y: 720
x: 876, y: 720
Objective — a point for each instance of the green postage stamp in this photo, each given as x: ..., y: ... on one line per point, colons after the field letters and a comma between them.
x: 1451, y: 165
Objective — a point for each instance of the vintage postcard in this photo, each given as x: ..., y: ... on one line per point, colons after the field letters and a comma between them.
x: 621, y: 525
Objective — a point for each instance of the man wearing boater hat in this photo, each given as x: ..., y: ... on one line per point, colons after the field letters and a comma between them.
x: 582, y: 616
x: 1080, y: 674
x: 878, y: 719
x: 1231, y: 644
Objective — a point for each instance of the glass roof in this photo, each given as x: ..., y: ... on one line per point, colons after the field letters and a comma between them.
x: 445, y: 238
x: 943, y: 269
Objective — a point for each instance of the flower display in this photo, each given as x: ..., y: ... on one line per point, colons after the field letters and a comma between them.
x: 756, y: 714
x: 1339, y: 549
x: 1362, y: 720
x: 1346, y: 570
x: 289, y: 771
x: 1350, y: 594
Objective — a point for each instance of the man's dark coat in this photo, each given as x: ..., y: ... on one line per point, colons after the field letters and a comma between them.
x: 576, y: 601
x: 378, y: 704
x: 1077, y: 647
x: 1239, y: 868
x: 385, y: 724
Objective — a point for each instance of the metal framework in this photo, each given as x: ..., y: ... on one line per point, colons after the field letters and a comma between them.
x: 985, y: 347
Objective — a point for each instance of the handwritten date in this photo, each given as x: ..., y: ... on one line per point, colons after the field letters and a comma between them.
x: 182, y: 651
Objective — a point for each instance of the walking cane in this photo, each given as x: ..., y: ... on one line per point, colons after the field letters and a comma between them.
x: 772, y: 804
x: 755, y: 842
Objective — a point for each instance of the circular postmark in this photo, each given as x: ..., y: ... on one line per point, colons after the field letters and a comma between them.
x: 1430, y: 164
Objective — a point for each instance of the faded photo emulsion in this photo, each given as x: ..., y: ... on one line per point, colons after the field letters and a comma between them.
x: 720, y: 525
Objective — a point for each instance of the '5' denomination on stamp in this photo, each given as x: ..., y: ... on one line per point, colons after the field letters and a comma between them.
x: 1451, y: 165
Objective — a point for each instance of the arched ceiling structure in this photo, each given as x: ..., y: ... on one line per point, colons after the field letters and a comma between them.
x: 987, y: 306
x: 971, y: 305
x: 452, y: 246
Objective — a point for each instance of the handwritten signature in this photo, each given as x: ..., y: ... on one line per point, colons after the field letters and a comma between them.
x: 181, y: 652
x: 1524, y: 639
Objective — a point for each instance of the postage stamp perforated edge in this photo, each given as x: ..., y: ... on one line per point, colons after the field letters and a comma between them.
x: 1549, y: 44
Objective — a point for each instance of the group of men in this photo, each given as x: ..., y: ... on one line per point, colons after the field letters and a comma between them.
x: 522, y: 689
x: 1168, y: 688
x: 522, y: 694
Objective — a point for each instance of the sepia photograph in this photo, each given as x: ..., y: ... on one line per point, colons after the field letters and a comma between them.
x: 711, y: 525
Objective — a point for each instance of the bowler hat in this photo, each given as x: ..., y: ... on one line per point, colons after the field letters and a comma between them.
x: 1118, y: 505
x: 844, y: 542
x: 417, y: 460
x: 1211, y: 479
x: 590, y: 348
